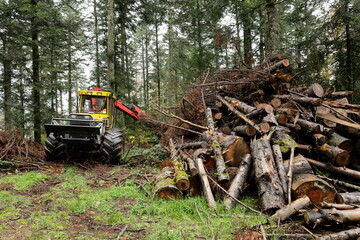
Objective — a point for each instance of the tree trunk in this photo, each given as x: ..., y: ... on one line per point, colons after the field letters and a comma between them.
x: 272, y: 29
x: 269, y: 187
x: 237, y: 184
x: 36, y: 72
x: 97, y: 56
x: 111, y: 45
x: 7, y: 71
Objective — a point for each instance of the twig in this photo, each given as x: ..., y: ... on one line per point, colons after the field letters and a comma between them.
x: 289, y: 174
x: 171, y: 125
x: 345, y: 184
x: 235, y: 199
x: 179, y: 118
x: 122, y: 232
x: 263, y: 232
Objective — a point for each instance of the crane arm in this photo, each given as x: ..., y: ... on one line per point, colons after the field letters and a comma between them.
x: 131, y: 110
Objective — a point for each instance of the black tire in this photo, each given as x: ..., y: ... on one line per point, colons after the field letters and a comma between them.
x: 113, y: 145
x: 54, y: 149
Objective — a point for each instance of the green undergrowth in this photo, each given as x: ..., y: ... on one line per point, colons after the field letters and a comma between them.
x: 71, y: 208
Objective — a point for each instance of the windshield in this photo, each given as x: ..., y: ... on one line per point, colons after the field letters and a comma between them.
x: 93, y: 104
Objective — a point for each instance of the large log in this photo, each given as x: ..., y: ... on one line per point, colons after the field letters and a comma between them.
x: 237, y: 184
x: 341, y: 142
x: 334, y: 155
x: 165, y: 185
x: 332, y: 215
x: 348, y: 198
x: 269, y: 187
x: 285, y: 212
x: 244, y: 130
x: 220, y: 162
x: 306, y: 183
x: 347, y: 172
x: 343, y: 235
x: 315, y: 90
x: 181, y: 177
x: 204, y: 179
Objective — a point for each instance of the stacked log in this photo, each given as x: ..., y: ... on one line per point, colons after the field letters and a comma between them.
x: 254, y: 120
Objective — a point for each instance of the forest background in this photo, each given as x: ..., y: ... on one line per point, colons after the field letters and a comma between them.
x: 150, y: 51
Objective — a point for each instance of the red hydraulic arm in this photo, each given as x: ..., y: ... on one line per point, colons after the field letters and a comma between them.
x: 133, y: 111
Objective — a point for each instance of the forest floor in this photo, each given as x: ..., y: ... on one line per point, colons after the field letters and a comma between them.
x: 88, y: 199
x: 93, y: 200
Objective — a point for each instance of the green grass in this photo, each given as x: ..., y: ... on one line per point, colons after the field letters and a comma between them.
x: 24, y: 181
x: 51, y: 214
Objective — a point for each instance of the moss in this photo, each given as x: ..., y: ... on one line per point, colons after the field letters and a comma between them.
x: 286, y: 144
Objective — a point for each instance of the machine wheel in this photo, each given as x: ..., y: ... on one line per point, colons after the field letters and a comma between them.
x: 113, y: 145
x: 54, y: 150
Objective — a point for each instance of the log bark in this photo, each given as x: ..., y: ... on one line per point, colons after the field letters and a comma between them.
x: 220, y: 162
x: 332, y: 215
x: 311, y: 126
x: 204, y: 179
x: 269, y: 187
x: 237, y: 184
x: 332, y: 118
x: 190, y: 161
x: 165, y: 185
x: 285, y: 212
x: 342, y: 94
x: 334, y: 155
x: 205, y: 183
x: 245, y: 130
x: 333, y: 169
x: 319, y: 139
x: 348, y: 198
x: 239, y: 114
x: 344, y: 235
x: 306, y: 183
x: 338, y: 206
x: 243, y: 107
x: 181, y: 177
x: 341, y: 142
x: 300, y: 99
x: 279, y: 161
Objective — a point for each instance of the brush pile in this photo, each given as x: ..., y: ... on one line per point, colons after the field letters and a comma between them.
x: 19, y: 153
x: 249, y: 127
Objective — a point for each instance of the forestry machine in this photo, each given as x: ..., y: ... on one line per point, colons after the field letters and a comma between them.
x: 91, y: 128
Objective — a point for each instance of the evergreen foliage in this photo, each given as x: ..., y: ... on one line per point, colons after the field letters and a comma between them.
x: 51, y: 49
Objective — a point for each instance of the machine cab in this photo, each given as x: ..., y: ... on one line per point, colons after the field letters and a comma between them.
x: 98, y: 104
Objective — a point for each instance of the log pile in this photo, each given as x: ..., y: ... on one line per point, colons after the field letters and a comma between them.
x: 19, y: 153
x: 248, y: 128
